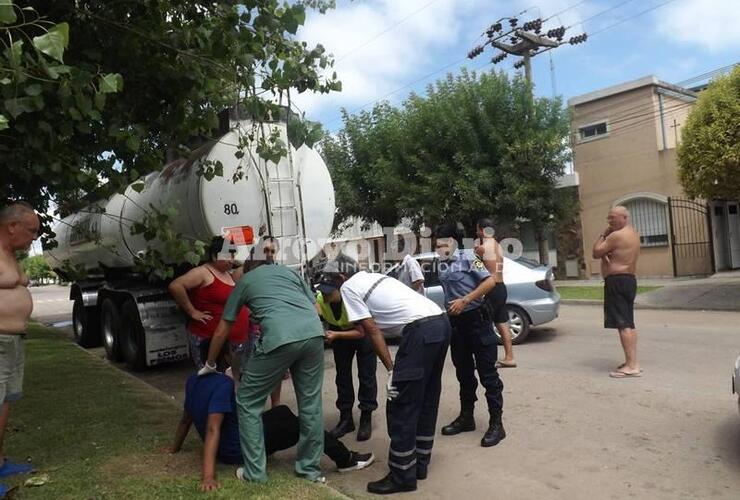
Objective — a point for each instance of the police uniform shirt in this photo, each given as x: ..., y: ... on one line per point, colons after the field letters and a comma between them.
x: 410, y: 272
x: 392, y: 304
x: 462, y: 274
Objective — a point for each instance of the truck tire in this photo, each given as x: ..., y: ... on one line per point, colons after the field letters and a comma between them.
x: 110, y: 325
x: 85, y: 324
x: 519, y: 325
x: 133, y: 346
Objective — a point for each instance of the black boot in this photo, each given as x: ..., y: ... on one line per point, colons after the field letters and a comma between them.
x: 495, y: 432
x: 465, y: 422
x: 386, y: 486
x: 365, y: 429
x: 346, y: 424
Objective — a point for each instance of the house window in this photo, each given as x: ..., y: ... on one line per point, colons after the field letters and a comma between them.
x: 650, y: 219
x: 592, y: 131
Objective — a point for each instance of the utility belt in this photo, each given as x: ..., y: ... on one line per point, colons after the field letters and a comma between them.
x: 480, y: 314
x: 422, y: 321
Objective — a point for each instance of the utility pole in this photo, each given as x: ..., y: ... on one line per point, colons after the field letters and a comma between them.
x: 526, y: 42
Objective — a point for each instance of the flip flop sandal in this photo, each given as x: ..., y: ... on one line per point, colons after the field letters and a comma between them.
x: 505, y: 364
x: 619, y: 374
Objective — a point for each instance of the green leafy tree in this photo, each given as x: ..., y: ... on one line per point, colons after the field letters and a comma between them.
x: 473, y: 146
x: 709, y: 153
x: 36, y: 268
x: 96, y: 94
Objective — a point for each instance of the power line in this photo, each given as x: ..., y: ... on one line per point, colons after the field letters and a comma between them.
x: 632, y: 17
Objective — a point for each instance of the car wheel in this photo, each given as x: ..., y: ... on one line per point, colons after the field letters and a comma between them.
x: 518, y: 325
x: 110, y: 324
x: 132, y: 336
x: 85, y: 324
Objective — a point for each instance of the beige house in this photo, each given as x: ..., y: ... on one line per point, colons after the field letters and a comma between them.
x: 624, y: 144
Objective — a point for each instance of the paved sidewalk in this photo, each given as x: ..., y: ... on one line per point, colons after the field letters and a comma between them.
x: 719, y: 292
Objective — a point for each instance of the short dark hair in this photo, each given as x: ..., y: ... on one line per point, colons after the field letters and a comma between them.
x: 485, y: 222
x: 447, y: 231
x: 216, y: 247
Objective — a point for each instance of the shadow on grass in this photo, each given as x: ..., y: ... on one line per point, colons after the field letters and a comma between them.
x: 97, y: 433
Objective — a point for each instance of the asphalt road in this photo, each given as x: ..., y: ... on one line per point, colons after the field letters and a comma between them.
x: 572, y: 432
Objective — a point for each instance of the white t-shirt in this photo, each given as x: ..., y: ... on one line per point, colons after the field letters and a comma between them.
x: 392, y: 304
x: 409, y: 272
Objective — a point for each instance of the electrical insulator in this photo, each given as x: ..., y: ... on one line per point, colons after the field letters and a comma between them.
x: 514, y: 40
x: 499, y: 57
x: 519, y: 64
x: 578, y: 39
x: 513, y: 21
x: 475, y: 52
x: 497, y: 27
x: 556, y: 33
x: 537, y: 25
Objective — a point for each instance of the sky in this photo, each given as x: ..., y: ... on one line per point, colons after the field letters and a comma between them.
x: 386, y: 49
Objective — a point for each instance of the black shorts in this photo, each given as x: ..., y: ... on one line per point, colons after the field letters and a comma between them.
x: 496, y: 303
x: 619, y: 301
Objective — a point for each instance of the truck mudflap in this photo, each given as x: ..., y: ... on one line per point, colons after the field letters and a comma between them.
x: 167, y: 338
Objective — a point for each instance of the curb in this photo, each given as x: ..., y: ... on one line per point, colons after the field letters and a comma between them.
x: 657, y: 307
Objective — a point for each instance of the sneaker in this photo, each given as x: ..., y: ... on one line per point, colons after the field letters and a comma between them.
x: 10, y: 468
x: 319, y: 480
x: 240, y: 474
x: 3, y: 490
x: 358, y: 461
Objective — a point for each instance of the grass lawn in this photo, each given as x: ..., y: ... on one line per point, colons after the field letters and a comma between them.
x: 593, y: 292
x: 97, y: 433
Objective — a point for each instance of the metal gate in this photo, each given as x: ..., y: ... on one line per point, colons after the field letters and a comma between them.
x: 692, y: 246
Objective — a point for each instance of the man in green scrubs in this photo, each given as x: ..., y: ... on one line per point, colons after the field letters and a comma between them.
x: 292, y: 339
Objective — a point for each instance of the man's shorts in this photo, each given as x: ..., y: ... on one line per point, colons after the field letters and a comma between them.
x: 619, y: 301
x: 496, y: 303
x: 12, y: 363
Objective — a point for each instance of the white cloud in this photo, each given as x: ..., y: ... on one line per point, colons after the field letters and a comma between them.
x: 710, y: 24
x: 418, y: 37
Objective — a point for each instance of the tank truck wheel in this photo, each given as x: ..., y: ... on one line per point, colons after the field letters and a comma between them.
x: 132, y: 337
x: 85, y: 324
x: 110, y: 327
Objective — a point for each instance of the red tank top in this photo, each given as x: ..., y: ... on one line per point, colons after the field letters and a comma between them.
x: 212, y: 298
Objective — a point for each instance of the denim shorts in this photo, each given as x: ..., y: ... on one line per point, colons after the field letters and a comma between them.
x: 12, y: 363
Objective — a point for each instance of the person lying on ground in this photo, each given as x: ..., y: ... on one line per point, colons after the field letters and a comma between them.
x: 210, y: 405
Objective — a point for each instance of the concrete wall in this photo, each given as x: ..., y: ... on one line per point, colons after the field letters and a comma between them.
x: 624, y: 162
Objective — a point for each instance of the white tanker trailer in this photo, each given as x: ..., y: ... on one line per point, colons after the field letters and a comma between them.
x: 138, y: 322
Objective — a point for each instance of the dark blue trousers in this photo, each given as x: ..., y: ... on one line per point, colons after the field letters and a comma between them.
x: 367, y: 393
x: 474, y: 346
x: 412, y: 416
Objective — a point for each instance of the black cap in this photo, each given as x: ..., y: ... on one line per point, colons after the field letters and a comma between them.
x: 327, y: 286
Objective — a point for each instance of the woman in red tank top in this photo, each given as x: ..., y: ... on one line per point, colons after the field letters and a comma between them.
x: 202, y: 293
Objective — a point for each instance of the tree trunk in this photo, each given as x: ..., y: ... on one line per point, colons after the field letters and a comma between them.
x: 543, y: 247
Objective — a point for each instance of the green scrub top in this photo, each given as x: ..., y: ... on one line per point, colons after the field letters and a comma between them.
x: 280, y: 301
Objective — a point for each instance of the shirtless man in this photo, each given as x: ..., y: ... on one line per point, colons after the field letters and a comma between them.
x: 618, y: 247
x: 19, y: 226
x: 492, y: 255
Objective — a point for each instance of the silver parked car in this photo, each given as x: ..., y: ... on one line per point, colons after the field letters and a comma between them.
x: 532, y: 300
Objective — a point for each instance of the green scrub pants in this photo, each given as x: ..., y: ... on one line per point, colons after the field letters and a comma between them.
x: 305, y: 360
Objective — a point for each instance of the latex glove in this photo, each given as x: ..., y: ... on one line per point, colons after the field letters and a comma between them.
x: 390, y: 389
x: 207, y: 368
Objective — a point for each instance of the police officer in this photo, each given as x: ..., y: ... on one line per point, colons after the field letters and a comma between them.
x: 466, y: 281
x: 383, y: 304
x: 347, y: 341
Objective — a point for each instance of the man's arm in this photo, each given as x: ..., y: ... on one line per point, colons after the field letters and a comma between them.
x: 183, y: 427
x: 604, y: 245
x: 210, y: 449
x: 218, y: 340
x: 357, y: 333
x: 378, y: 342
x: 456, y: 306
